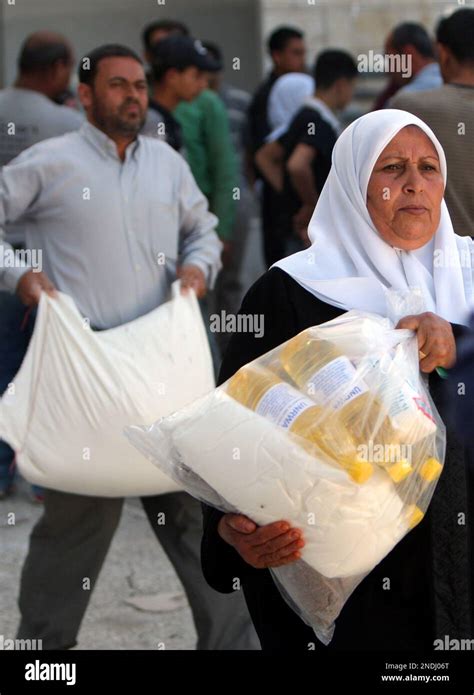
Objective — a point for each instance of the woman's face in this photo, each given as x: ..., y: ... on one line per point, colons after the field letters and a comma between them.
x: 406, y: 189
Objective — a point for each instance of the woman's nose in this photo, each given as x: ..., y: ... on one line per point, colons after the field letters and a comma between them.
x: 414, y: 182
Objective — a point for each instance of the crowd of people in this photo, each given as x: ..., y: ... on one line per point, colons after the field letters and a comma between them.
x: 176, y: 161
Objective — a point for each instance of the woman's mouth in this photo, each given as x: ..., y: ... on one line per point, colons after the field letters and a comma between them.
x: 413, y: 209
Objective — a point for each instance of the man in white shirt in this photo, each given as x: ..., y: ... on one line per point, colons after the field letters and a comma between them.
x: 29, y: 114
x: 419, y: 69
x: 117, y: 217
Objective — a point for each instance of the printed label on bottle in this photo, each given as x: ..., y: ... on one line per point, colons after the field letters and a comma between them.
x: 338, y: 375
x: 282, y: 404
x: 409, y: 412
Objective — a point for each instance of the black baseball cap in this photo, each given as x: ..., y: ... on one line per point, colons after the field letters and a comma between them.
x: 182, y: 52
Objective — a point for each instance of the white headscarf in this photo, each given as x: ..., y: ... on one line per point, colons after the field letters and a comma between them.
x: 286, y: 98
x: 348, y: 263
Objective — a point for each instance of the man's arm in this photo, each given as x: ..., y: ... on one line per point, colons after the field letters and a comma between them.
x: 300, y: 170
x: 270, y: 160
x: 199, y: 245
x: 20, y: 187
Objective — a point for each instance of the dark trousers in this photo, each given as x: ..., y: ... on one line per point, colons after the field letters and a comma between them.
x: 276, y: 225
x: 15, y: 334
x: 69, y: 544
x: 16, y: 329
x: 274, y: 237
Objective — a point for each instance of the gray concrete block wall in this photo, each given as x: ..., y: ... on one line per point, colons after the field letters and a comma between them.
x: 233, y: 24
x: 239, y: 26
x: 355, y: 26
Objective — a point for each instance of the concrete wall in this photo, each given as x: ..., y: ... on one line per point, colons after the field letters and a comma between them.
x: 233, y: 24
x: 355, y: 26
x: 240, y: 27
x: 358, y: 26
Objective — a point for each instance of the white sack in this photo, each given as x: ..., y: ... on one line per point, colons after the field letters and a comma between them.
x: 266, y: 475
x: 77, y: 389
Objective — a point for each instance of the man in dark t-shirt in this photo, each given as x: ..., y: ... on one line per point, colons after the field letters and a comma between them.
x: 308, y: 143
x: 172, y: 130
x: 287, y: 50
x: 309, y: 128
x: 286, y: 47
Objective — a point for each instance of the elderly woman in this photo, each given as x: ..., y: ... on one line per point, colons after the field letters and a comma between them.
x: 380, y: 222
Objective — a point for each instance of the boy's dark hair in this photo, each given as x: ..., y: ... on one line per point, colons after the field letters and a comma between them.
x: 160, y: 68
x: 414, y: 34
x: 331, y: 65
x: 171, y: 25
x: 279, y: 38
x: 456, y: 32
x: 90, y: 62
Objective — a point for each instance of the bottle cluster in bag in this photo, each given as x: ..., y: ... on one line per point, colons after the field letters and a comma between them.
x: 360, y: 414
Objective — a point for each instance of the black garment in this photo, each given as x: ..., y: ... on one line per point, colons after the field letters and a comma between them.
x: 173, y: 130
x: 459, y: 389
x: 257, y: 128
x: 429, y: 569
x: 308, y: 128
x: 257, y: 121
x: 274, y: 225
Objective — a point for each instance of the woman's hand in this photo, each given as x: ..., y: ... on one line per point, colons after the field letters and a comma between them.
x: 435, y: 340
x: 261, y: 546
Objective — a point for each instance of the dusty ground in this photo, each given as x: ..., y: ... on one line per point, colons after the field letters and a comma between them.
x: 136, y: 567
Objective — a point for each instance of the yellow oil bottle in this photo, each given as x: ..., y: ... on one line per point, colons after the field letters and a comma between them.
x: 264, y: 392
x: 321, y: 371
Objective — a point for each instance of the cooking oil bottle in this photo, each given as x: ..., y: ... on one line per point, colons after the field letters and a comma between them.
x: 266, y: 393
x: 328, y: 377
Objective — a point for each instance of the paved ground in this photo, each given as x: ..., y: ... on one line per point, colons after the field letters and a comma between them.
x: 136, y: 568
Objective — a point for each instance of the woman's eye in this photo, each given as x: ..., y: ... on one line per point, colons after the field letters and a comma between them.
x: 429, y: 167
x: 392, y: 167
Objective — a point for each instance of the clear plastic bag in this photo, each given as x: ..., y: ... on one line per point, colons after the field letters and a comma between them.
x: 335, y: 432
